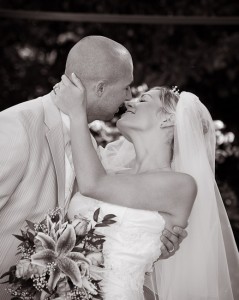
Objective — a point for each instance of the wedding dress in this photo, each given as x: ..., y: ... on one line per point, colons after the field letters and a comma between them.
x: 131, y: 246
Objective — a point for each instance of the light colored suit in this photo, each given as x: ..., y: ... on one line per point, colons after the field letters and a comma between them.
x: 32, y: 170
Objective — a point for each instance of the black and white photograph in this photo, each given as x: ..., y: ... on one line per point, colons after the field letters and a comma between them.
x: 119, y: 150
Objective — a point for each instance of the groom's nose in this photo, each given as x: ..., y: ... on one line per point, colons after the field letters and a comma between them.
x: 128, y: 94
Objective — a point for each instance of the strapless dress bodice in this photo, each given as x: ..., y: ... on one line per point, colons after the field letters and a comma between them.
x: 132, y: 244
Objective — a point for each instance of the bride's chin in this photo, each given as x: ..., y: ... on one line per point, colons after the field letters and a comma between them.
x: 123, y: 129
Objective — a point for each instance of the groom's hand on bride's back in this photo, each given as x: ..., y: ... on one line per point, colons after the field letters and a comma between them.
x: 171, y: 241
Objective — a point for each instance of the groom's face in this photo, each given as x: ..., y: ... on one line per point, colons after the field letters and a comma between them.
x: 115, y: 94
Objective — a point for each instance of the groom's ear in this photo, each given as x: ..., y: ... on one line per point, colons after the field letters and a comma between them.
x: 100, y: 88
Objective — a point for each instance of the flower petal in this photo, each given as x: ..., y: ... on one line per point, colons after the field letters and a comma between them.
x: 96, y: 272
x: 78, y: 257
x: 46, y: 240
x: 67, y: 240
x: 42, y: 258
x: 49, y: 223
x: 96, y: 258
x: 89, y: 286
x: 54, y: 278
x: 70, y: 269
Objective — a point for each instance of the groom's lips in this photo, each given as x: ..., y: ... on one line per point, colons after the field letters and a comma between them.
x: 121, y: 110
x: 130, y: 111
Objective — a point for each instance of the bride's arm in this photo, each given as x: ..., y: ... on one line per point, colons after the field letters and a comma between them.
x: 143, y: 191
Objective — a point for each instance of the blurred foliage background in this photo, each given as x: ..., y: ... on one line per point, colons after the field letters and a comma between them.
x: 201, y: 59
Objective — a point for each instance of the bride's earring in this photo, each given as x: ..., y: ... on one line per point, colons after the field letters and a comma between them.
x: 170, y: 121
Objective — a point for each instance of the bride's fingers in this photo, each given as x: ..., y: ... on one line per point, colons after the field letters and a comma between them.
x: 65, y: 80
x: 59, y: 88
x: 77, y: 81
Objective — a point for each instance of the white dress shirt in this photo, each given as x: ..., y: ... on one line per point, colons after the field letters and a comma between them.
x: 69, y: 166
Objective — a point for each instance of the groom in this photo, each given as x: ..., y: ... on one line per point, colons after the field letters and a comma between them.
x: 36, y: 172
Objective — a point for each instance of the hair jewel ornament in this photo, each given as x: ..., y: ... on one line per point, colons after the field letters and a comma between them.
x: 175, y: 90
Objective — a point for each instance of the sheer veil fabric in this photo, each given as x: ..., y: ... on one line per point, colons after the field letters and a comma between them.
x: 207, y: 265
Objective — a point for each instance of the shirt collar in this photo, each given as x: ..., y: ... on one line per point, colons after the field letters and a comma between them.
x: 66, y: 127
x: 66, y: 130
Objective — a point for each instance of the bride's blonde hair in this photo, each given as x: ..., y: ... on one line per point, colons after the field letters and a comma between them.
x: 169, y: 99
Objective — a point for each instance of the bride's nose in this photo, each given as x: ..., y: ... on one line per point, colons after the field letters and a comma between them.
x: 130, y: 104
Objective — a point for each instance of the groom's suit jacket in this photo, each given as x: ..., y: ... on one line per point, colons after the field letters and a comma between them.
x: 32, y: 170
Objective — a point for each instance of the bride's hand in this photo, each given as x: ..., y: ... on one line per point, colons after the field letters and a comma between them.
x: 70, y: 98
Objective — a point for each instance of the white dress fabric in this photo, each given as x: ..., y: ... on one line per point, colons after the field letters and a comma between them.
x: 131, y: 246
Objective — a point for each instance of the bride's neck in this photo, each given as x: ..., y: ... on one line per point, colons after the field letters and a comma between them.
x: 151, y: 154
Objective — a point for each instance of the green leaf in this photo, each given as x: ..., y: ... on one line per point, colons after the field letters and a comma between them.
x: 5, y: 274
x: 30, y: 225
x: 77, y: 249
x: 108, y: 222
x: 110, y: 216
x: 99, y: 242
x: 96, y: 215
x: 19, y: 237
x: 31, y: 236
x: 101, y: 225
x: 79, y: 239
x: 99, y: 236
x: 11, y: 273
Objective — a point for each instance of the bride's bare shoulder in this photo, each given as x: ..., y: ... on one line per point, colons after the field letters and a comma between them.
x: 181, y: 189
x: 182, y: 186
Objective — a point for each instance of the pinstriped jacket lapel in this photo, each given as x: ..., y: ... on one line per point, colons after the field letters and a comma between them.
x: 55, y: 140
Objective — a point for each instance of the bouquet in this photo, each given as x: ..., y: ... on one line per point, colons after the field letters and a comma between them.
x: 59, y: 259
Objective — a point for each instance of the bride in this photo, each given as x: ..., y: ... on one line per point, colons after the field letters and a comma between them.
x: 173, y: 145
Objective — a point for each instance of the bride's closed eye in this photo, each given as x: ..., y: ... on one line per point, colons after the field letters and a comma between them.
x: 143, y: 100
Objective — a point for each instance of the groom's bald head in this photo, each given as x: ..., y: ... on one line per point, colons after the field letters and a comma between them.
x: 98, y: 58
x: 105, y: 68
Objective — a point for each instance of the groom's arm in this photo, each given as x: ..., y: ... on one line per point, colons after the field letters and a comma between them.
x: 13, y: 154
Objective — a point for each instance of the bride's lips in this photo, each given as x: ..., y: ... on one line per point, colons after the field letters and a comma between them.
x: 130, y: 111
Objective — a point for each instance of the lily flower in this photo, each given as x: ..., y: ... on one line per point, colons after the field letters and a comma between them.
x: 58, y: 255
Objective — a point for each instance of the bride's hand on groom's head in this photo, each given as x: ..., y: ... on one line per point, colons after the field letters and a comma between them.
x: 70, y: 96
x: 171, y: 241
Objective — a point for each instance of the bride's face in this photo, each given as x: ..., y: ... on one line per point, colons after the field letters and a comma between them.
x: 142, y: 114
